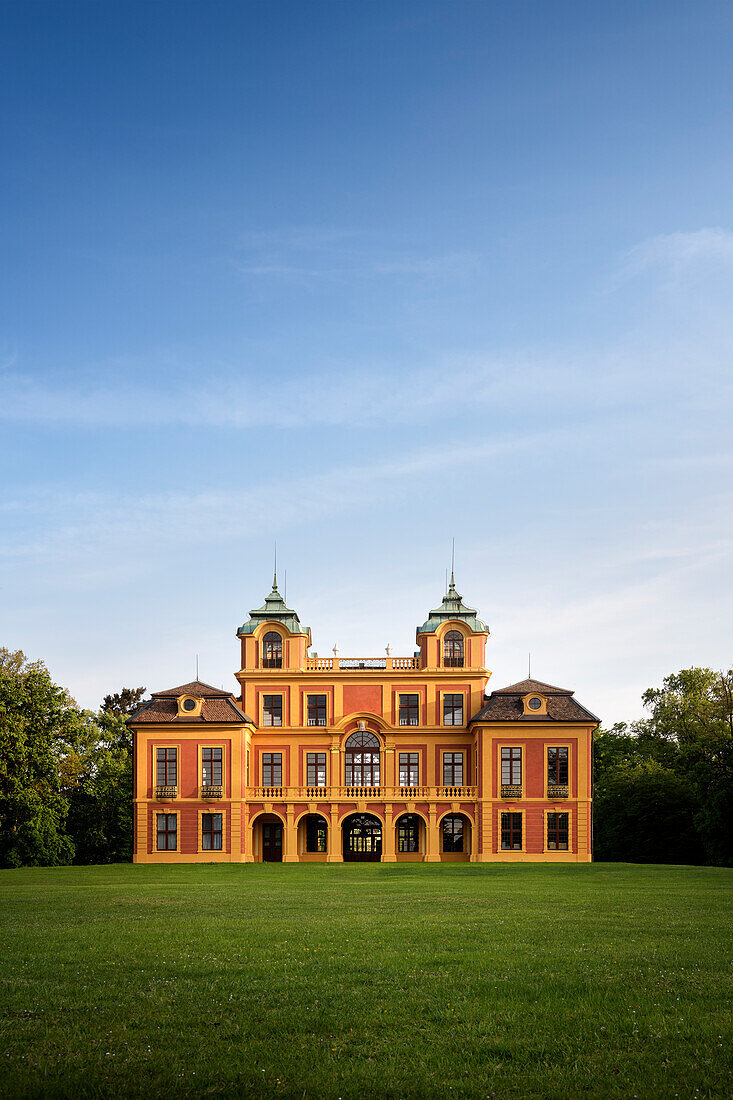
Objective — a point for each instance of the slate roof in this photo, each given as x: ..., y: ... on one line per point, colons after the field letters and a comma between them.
x: 505, y: 705
x: 218, y: 706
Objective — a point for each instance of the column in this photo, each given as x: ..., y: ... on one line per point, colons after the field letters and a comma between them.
x: 388, y: 837
x: 247, y: 838
x: 432, y: 837
x: 290, y: 837
x: 333, y: 846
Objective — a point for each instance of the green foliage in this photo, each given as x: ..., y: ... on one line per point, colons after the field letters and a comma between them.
x: 34, y: 712
x: 663, y: 788
x: 98, y: 767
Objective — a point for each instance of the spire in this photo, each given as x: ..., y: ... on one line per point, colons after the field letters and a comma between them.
x: 274, y: 609
x: 453, y: 607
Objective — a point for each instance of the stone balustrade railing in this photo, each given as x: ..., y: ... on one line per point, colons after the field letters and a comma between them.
x: 357, y: 793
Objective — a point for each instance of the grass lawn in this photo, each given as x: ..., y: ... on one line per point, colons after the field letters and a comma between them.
x: 381, y: 980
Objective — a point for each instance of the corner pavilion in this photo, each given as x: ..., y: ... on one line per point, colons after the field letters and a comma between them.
x: 332, y: 759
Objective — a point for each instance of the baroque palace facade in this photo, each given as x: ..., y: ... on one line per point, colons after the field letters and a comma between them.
x: 337, y: 759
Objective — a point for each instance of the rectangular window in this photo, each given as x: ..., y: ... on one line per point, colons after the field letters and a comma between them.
x: 272, y: 710
x: 557, y: 832
x: 409, y: 769
x: 408, y: 833
x: 316, y: 834
x: 272, y: 769
x: 167, y: 767
x: 409, y: 710
x: 452, y: 710
x: 316, y: 710
x: 315, y: 767
x: 453, y: 769
x: 211, y: 832
x: 511, y: 832
x: 511, y: 767
x: 452, y: 827
x: 167, y: 829
x: 557, y: 767
x: 210, y: 767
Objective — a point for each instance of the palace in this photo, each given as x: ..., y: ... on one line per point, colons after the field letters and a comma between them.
x: 336, y: 759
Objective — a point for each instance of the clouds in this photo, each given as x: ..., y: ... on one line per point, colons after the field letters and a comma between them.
x: 679, y: 254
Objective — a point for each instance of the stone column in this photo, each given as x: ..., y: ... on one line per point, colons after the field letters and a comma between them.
x: 290, y: 838
x: 333, y: 845
x: 432, y: 837
x: 388, y: 837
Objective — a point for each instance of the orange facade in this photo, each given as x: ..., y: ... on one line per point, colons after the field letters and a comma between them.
x: 398, y: 759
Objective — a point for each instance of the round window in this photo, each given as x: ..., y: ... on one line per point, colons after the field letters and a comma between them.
x: 534, y: 704
x: 189, y: 704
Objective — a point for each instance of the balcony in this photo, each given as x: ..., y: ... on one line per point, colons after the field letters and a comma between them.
x: 557, y: 790
x: 164, y: 793
x: 354, y: 793
x: 211, y: 791
x: 511, y: 790
x: 361, y: 664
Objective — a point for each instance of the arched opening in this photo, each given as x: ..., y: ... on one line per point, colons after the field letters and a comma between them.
x: 362, y: 759
x: 453, y: 649
x: 313, y: 838
x: 272, y: 650
x: 362, y: 839
x: 455, y: 838
x: 410, y: 834
x: 267, y: 839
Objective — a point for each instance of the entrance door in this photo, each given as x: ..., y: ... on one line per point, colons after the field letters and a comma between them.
x: 272, y: 843
x: 362, y: 839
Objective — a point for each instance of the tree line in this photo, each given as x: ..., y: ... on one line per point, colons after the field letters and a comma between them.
x: 663, y: 786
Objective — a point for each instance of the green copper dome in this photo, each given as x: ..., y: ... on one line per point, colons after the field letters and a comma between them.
x: 453, y: 607
x: 273, y: 610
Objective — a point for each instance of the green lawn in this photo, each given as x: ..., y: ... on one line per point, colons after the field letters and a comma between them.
x: 366, y: 980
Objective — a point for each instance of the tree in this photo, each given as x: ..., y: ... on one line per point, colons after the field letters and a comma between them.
x: 124, y: 703
x: 33, y: 712
x: 98, y: 766
x: 645, y: 814
x: 682, y: 751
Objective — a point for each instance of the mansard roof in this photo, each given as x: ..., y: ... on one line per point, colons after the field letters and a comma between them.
x: 218, y: 706
x: 453, y: 607
x: 505, y: 705
x: 273, y: 610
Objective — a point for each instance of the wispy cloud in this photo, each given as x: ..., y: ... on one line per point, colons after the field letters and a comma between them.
x: 78, y: 527
x: 676, y: 252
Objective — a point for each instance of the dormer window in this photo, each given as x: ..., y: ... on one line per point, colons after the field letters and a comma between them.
x: 272, y: 650
x: 453, y: 649
x: 189, y: 706
x: 534, y: 705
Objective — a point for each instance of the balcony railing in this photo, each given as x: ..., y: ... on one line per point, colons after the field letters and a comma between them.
x: 211, y: 790
x: 557, y: 790
x: 356, y: 664
x: 357, y: 793
x: 511, y: 790
x: 166, y: 792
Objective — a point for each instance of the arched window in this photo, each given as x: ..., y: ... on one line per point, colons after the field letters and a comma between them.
x: 453, y: 649
x: 362, y: 760
x: 272, y: 650
x: 408, y: 833
x: 452, y: 828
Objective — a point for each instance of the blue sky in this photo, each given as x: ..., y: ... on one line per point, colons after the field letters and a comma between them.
x: 362, y: 277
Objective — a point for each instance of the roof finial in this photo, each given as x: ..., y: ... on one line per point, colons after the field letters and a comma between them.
x: 197, y: 667
x: 529, y: 666
x: 452, y: 562
x: 274, y: 572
